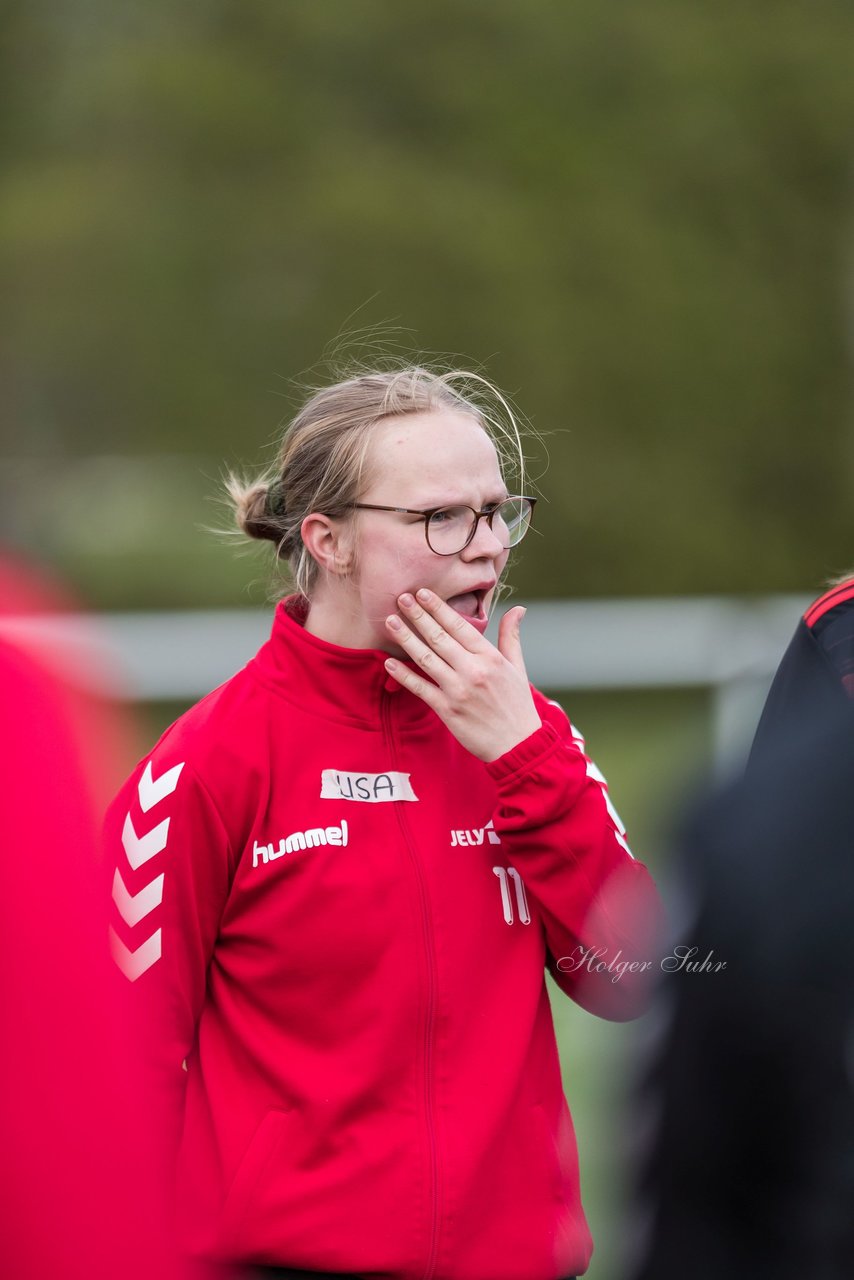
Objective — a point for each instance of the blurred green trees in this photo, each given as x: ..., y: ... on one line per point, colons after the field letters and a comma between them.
x: 637, y: 218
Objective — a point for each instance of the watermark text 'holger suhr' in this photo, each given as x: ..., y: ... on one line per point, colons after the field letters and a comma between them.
x: 682, y: 959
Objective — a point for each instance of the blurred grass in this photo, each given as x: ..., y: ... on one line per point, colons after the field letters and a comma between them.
x: 654, y: 747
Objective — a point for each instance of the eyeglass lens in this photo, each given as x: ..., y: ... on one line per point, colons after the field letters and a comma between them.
x: 449, y: 530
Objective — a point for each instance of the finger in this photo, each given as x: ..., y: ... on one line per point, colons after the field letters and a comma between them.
x: 441, y: 625
x: 423, y: 689
x: 510, y: 639
x: 413, y: 645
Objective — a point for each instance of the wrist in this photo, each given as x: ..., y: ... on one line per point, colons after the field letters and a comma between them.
x: 522, y: 733
x: 525, y: 755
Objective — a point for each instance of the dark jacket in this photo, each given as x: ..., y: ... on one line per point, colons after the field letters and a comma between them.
x: 747, y: 1170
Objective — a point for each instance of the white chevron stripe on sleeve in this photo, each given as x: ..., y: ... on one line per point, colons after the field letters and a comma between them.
x: 134, y: 907
x: 140, y: 848
x: 133, y: 964
x: 152, y: 790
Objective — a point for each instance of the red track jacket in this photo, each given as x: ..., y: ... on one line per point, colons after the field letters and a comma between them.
x: 339, y: 920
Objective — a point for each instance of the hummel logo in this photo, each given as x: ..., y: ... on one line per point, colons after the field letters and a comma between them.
x: 140, y: 849
x: 300, y: 840
x: 134, y: 964
x: 475, y: 836
x: 152, y: 790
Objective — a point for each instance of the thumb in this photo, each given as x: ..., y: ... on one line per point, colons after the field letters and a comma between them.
x: 509, y: 639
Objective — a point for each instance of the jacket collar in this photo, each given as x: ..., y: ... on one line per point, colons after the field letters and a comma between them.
x: 348, y: 685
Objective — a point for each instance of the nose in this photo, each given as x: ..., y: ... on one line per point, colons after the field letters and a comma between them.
x: 485, y: 545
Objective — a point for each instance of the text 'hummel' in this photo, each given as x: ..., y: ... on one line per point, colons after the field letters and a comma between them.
x: 300, y: 840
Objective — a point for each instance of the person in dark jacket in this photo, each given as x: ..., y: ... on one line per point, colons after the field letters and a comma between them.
x: 747, y: 1169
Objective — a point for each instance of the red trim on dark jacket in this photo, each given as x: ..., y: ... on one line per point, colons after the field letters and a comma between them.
x: 835, y: 596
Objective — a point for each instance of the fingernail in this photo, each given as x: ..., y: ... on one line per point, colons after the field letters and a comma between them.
x: 394, y: 622
x: 406, y: 600
x: 423, y: 595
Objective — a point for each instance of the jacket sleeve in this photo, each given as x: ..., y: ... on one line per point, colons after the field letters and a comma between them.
x: 600, y: 909
x: 169, y: 861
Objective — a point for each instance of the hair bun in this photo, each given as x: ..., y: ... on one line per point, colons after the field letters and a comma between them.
x: 257, y: 515
x: 275, y: 501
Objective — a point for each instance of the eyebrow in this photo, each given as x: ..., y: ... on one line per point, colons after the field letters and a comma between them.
x: 460, y: 502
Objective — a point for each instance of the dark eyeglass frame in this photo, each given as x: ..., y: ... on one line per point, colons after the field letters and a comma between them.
x: 488, y: 516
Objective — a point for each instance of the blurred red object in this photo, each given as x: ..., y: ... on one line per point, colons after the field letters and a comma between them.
x: 80, y: 1184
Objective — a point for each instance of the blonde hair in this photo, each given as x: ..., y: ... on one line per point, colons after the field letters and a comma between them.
x: 322, y: 460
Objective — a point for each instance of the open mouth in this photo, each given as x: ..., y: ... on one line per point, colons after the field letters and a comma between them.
x: 470, y: 604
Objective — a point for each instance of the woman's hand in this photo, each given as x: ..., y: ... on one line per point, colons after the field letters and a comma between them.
x: 480, y: 692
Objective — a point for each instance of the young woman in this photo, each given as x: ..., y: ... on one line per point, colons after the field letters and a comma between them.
x: 339, y: 878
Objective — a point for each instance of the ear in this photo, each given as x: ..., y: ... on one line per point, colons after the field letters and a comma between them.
x: 328, y: 542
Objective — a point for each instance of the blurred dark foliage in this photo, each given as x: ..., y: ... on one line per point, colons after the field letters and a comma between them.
x: 635, y: 218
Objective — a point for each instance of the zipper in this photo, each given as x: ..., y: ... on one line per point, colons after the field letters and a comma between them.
x: 429, y: 1099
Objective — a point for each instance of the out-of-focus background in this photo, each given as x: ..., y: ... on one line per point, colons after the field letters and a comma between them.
x: 636, y: 219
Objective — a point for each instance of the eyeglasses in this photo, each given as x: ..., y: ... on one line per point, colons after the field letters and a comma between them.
x: 449, y: 530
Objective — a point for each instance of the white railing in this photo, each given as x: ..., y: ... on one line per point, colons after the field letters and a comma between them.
x: 729, y: 644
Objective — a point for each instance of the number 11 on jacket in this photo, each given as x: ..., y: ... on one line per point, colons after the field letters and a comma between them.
x: 521, y: 899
